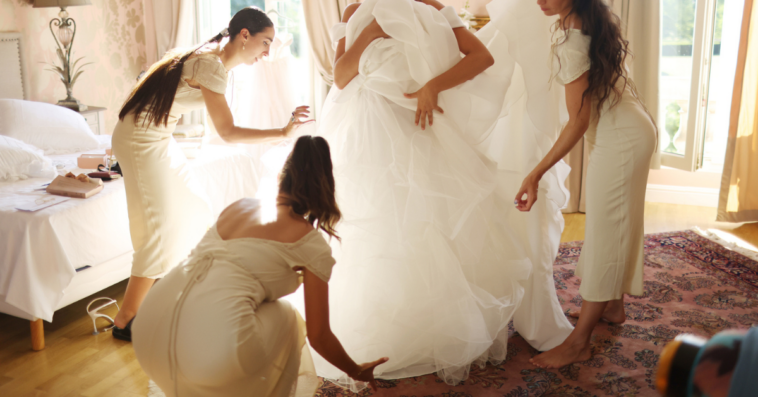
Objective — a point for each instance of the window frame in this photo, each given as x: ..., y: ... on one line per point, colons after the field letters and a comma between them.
x: 702, y: 57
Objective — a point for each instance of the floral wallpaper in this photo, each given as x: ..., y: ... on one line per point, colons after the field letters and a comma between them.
x: 110, y: 34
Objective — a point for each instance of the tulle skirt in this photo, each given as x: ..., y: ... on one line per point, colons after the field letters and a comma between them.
x: 435, y: 261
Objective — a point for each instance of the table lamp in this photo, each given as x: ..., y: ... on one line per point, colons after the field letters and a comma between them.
x: 65, y: 39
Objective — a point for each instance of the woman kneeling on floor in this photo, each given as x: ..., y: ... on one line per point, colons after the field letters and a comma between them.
x: 214, y: 326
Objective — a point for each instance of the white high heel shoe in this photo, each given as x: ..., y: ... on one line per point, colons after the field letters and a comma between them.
x: 94, y: 314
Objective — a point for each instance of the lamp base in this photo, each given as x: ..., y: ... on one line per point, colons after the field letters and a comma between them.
x: 73, y: 104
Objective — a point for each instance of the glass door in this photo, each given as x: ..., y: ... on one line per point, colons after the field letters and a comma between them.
x: 698, y: 55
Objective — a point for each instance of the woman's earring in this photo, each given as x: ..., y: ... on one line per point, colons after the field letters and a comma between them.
x: 243, y: 46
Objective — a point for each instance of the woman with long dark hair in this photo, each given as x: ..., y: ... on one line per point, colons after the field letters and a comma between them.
x: 168, y: 213
x: 214, y: 326
x: 603, y: 105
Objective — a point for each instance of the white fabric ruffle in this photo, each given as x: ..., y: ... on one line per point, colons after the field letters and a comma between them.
x: 435, y: 261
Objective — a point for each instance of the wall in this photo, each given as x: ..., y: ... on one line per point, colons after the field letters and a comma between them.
x: 110, y: 33
x: 476, y: 7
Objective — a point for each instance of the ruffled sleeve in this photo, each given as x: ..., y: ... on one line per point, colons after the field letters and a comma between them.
x: 452, y: 17
x: 208, y: 71
x: 338, y: 32
x: 572, y: 57
x: 313, y: 253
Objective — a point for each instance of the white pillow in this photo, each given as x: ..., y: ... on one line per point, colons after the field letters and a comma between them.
x: 52, y: 128
x: 19, y: 160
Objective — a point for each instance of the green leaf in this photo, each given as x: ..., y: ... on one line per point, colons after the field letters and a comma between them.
x: 57, y: 72
x: 74, y: 70
x: 61, y: 56
x: 76, y: 76
x: 73, y: 66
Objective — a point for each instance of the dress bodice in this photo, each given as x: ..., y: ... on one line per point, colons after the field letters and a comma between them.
x: 570, y: 59
x: 240, y: 263
x: 208, y: 71
x: 570, y: 55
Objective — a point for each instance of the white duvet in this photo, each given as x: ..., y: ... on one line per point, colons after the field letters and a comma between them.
x: 41, y: 251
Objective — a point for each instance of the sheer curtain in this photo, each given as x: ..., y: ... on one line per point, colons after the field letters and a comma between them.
x: 173, y: 24
x: 640, y: 22
x: 320, y: 16
x: 168, y: 24
x: 738, y: 200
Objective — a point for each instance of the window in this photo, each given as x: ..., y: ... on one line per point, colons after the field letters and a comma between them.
x: 698, y: 49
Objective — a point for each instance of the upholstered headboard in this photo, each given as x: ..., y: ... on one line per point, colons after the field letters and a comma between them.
x: 13, y: 83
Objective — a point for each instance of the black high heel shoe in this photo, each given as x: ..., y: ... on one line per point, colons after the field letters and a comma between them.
x: 123, y: 333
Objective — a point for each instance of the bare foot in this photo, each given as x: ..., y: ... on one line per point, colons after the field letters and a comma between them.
x: 613, y: 314
x: 563, y: 355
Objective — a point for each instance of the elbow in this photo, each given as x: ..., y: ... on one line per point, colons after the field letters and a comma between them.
x: 487, y: 60
x: 580, y: 126
x: 226, y: 134
x: 317, y: 341
x: 340, y: 80
x: 339, y: 83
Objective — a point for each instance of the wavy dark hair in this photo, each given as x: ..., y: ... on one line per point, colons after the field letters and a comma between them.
x: 608, y: 51
x: 308, y: 180
x: 155, y: 92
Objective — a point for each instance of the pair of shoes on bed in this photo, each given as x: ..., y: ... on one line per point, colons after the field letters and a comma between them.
x: 123, y: 333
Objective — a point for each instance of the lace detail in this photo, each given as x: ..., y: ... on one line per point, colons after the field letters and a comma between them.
x: 571, y: 57
x: 208, y: 71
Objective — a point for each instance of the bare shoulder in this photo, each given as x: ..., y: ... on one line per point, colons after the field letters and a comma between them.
x: 573, y: 22
x: 349, y: 11
x: 244, y: 211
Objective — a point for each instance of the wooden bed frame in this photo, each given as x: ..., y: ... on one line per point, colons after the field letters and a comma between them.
x: 12, y: 64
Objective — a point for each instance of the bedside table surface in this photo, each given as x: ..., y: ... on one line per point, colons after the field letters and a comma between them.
x: 92, y: 109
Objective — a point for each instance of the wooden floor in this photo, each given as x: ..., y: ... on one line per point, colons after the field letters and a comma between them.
x: 77, y: 363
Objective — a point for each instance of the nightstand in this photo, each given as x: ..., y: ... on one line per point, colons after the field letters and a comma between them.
x: 95, y: 117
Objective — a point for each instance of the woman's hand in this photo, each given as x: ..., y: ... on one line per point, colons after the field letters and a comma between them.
x: 530, y: 186
x: 366, y: 372
x: 427, y: 104
x: 295, y: 121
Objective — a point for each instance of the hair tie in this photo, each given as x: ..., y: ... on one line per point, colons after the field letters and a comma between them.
x: 224, y: 32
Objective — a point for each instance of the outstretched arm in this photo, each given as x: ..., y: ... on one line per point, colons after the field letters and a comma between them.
x: 320, y: 333
x: 475, y: 61
x: 223, y: 121
x: 346, y: 62
x: 580, y: 111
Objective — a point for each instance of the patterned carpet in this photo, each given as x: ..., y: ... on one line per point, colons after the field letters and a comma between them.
x: 693, y: 285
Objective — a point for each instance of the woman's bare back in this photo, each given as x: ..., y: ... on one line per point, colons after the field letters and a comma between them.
x: 242, y: 219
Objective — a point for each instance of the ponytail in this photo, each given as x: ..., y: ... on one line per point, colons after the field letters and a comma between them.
x: 156, y: 91
x: 308, y: 180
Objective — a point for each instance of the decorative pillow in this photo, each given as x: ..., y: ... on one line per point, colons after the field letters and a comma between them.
x: 19, y: 160
x: 52, y: 128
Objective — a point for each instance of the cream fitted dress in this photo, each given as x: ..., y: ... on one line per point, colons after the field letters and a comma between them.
x: 214, y: 325
x: 621, y: 144
x: 168, y: 211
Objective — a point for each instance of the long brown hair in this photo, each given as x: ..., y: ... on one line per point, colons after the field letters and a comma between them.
x: 156, y: 91
x: 608, y: 51
x: 308, y: 181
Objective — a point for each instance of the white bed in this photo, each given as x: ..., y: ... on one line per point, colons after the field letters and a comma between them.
x: 58, y: 255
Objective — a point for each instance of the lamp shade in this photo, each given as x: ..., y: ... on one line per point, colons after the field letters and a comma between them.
x: 60, y: 3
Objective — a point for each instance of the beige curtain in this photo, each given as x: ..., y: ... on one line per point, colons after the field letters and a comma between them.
x: 640, y: 25
x: 738, y: 201
x: 320, y: 16
x: 168, y: 24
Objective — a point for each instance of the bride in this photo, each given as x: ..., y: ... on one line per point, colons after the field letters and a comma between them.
x: 435, y: 261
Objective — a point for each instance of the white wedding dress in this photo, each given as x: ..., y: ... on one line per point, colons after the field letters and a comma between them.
x: 435, y: 261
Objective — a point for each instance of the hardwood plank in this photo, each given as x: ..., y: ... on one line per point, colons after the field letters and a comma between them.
x: 76, y: 363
